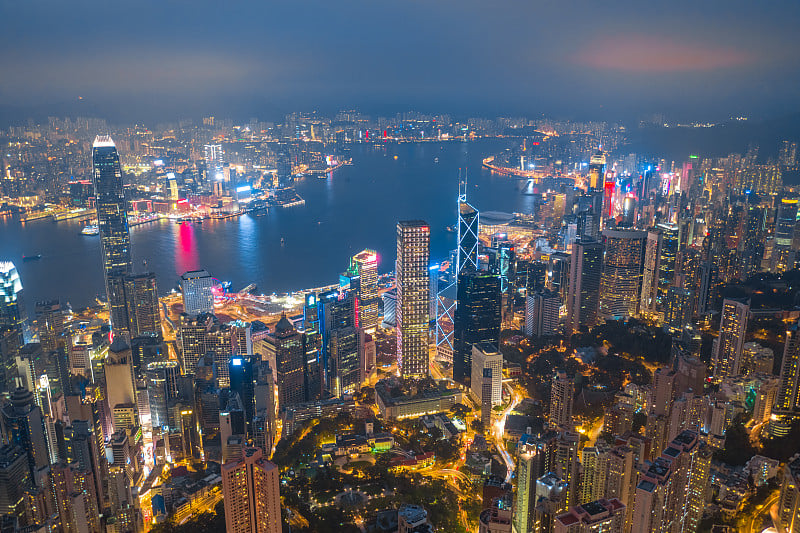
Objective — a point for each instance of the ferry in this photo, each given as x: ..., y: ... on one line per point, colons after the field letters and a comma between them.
x: 91, y: 229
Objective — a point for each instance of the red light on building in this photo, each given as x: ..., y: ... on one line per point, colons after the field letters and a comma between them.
x: 535, y: 143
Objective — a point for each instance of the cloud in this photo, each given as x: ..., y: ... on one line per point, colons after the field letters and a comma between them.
x: 655, y: 54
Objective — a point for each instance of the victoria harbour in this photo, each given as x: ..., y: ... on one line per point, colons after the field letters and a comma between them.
x: 353, y: 208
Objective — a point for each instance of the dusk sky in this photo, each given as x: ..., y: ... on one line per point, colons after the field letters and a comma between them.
x: 580, y: 59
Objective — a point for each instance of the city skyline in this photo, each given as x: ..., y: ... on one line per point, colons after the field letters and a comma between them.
x: 400, y: 267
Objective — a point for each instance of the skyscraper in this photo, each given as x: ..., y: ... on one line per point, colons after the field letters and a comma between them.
x: 787, y: 401
x: 727, y: 348
x: 668, y: 260
x: 584, y: 285
x: 50, y: 321
x: 478, y: 318
x: 365, y: 265
x: 562, y: 390
x: 12, y: 309
x: 622, y: 273
x: 143, y: 309
x: 345, y: 363
x: 486, y: 355
x: 251, y: 491
x: 789, y: 499
x: 112, y: 218
x: 242, y: 376
x: 286, y: 353
x: 162, y: 387
x: 541, y: 313
x: 468, y: 228
x: 197, y: 296
x: 413, y: 258
x: 23, y: 426
x: 650, y: 271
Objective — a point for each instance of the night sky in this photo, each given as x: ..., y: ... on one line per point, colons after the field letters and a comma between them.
x: 150, y: 60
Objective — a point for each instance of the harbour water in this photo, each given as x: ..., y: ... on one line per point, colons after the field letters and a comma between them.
x: 283, y: 249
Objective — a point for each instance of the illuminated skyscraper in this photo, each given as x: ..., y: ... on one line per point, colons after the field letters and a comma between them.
x: 345, y: 371
x: 215, y: 159
x: 727, y: 348
x: 541, y: 313
x: 286, y: 353
x: 197, y: 296
x: 12, y: 309
x: 622, y: 273
x: 251, y: 492
x: 783, y: 254
x: 667, y: 264
x: 597, y: 170
x: 485, y: 355
x: 365, y: 265
x: 112, y: 218
x: 162, y: 387
x: 562, y: 392
x: 789, y: 499
x: 585, y: 272
x: 787, y: 401
x: 678, y: 309
x: 650, y: 272
x: 143, y: 309
x: 468, y: 228
x: 478, y: 317
x: 22, y: 425
x: 530, y: 465
x: 50, y: 322
x: 671, y: 493
x: 412, y: 313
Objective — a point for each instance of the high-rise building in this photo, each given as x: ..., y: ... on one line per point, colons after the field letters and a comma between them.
x: 727, y: 348
x: 485, y: 355
x: 677, y: 309
x: 50, y: 322
x: 530, y: 466
x: 251, y: 492
x: 542, y: 313
x: 593, y: 517
x: 787, y: 401
x: 365, y: 265
x: 23, y: 426
x: 242, y: 375
x: 143, y: 309
x: 789, y: 499
x: 585, y: 271
x: 215, y: 159
x: 468, y: 229
x: 413, y: 259
x: 15, y: 479
x: 345, y: 363
x: 12, y: 308
x: 286, y: 354
x: 622, y: 273
x: 671, y: 493
x: 112, y: 218
x: 562, y: 391
x: 478, y: 317
x: 162, y: 387
x: 196, y: 288
x: 651, y: 271
x: 668, y: 260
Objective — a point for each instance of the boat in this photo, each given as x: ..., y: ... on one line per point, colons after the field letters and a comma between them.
x: 435, y: 159
x: 282, y: 241
x: 451, y: 228
x: 91, y: 229
x: 27, y: 258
